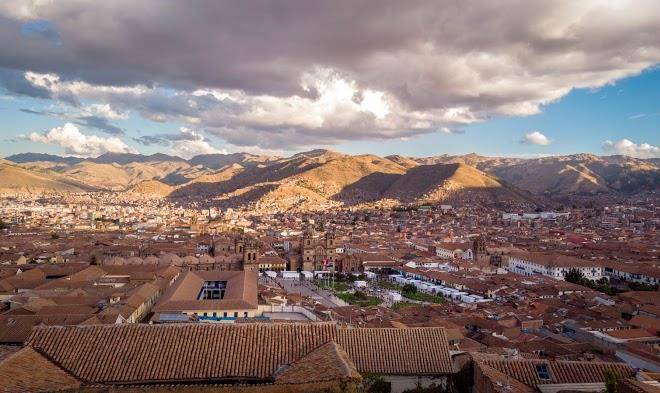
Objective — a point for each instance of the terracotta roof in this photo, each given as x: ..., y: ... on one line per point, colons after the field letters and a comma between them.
x: 634, y: 386
x: 411, y: 351
x: 329, y: 362
x: 188, y: 352
x: 240, y: 293
x: 648, y: 323
x: 501, y: 383
x: 560, y: 372
x: 629, y: 334
x: 555, y: 260
x: 17, y: 328
x: 29, y: 371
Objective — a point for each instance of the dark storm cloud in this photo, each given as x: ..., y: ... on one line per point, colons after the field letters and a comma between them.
x: 14, y: 82
x: 437, y: 63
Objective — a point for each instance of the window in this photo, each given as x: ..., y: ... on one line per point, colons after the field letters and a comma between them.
x: 236, y: 315
x: 215, y: 314
x: 542, y: 371
x: 245, y: 315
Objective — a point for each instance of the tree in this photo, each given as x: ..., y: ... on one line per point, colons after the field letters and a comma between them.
x: 611, y: 381
x: 408, y: 289
x: 360, y: 295
x: 574, y: 276
x: 376, y: 384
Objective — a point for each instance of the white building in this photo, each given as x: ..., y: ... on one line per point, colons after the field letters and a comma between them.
x: 454, y: 251
x: 552, y: 265
x: 649, y: 275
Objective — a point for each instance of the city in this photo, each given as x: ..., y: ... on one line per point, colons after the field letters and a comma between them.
x: 305, y: 197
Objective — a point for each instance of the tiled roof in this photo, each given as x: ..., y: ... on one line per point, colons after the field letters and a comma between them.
x: 560, y: 372
x: 29, y: 371
x: 17, y: 328
x: 187, y: 352
x: 397, y: 351
x: 501, y: 382
x: 329, y: 362
x: 241, y: 292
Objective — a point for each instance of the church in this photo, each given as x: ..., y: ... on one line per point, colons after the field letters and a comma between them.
x: 316, y: 247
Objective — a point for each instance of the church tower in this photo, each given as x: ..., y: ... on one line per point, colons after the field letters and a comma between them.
x: 307, y: 245
x: 250, y: 254
x: 330, y: 245
x: 479, y: 248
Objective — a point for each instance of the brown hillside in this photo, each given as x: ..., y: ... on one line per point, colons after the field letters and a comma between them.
x: 17, y: 179
x: 434, y: 183
x: 152, y: 188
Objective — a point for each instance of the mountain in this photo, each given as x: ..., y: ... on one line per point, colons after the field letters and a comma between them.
x: 584, y: 174
x: 127, y: 158
x: 440, y: 182
x: 18, y: 179
x: 322, y: 178
x: 404, y: 161
x: 152, y: 188
x: 362, y: 177
x: 217, y: 161
x: 40, y: 157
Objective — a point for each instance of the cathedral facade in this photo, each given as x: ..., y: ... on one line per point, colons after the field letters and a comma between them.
x: 317, y: 249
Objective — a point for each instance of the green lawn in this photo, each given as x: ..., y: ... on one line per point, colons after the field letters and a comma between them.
x: 424, y: 297
x: 400, y: 305
x: 358, y: 299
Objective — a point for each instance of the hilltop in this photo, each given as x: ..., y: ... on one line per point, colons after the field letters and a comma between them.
x: 16, y: 179
x: 325, y: 178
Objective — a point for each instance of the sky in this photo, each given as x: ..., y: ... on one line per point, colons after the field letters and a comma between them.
x: 416, y: 78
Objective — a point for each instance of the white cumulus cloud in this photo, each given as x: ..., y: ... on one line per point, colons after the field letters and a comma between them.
x: 535, y: 138
x: 312, y: 83
x: 629, y: 148
x: 193, y: 144
x: 75, y: 143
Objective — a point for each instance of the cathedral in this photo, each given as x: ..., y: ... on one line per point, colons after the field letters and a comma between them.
x: 316, y: 247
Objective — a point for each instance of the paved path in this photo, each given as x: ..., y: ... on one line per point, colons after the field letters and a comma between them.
x: 306, y: 288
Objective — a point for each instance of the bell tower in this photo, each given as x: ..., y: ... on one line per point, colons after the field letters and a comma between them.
x: 250, y: 253
x: 478, y: 247
x: 330, y: 245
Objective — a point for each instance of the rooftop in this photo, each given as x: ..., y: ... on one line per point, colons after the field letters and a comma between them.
x: 153, y: 354
x: 240, y: 292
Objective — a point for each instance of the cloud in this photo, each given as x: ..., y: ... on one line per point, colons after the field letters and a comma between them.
x: 75, y: 143
x: 193, y: 144
x: 632, y: 149
x: 313, y: 83
x: 106, y: 111
x: 535, y: 138
x: 187, y: 143
x: 100, y: 123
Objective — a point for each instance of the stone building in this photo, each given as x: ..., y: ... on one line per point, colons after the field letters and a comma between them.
x: 316, y: 247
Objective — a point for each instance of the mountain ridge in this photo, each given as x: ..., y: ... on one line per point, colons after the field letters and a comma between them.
x: 328, y: 178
